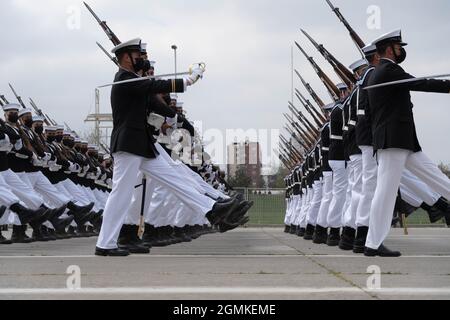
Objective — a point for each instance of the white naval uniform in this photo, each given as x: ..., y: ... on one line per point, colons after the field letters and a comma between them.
x: 369, y: 185
x: 392, y: 163
x: 340, y: 188
x: 327, y: 196
x: 355, y: 186
x: 316, y: 202
x: 126, y: 169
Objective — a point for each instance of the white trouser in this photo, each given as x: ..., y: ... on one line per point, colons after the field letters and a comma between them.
x: 327, y: 196
x: 309, y: 195
x: 355, y: 183
x: 409, y: 197
x: 22, y: 190
x: 296, y: 204
x: 291, y: 204
x: 418, y: 188
x: 340, y: 186
x: 316, y: 201
x: 301, y: 205
x: 369, y: 184
x: 43, y: 186
x: 392, y: 163
x: 76, y: 191
x: 7, y: 199
x: 287, y: 217
x: 126, y: 169
x: 60, y: 187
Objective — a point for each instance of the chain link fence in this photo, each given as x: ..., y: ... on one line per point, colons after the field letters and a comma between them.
x: 270, y: 209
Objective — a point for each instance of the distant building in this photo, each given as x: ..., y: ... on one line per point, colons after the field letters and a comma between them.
x: 247, y: 156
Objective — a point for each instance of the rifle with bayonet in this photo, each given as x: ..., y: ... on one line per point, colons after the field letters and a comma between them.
x: 287, y: 143
x: 302, y: 143
x: 309, y: 105
x: 19, y: 99
x: 39, y: 112
x: 304, y: 134
x: 288, y: 150
x: 311, y: 91
x: 343, y: 73
x: 301, y: 117
x: 2, y: 98
x: 111, y: 36
x: 316, y: 120
x: 110, y: 57
x: 331, y: 87
x: 355, y: 37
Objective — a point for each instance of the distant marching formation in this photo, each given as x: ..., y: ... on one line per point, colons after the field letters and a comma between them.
x: 62, y: 187
x: 358, y: 162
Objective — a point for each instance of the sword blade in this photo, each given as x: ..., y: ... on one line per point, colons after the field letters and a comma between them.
x: 143, y: 79
x: 386, y: 84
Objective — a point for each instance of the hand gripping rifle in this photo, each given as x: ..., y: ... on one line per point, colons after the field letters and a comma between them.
x: 355, y: 37
x: 343, y: 73
x: 104, y: 26
x: 331, y: 87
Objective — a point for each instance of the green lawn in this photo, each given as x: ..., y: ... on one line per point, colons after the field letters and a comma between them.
x: 270, y: 210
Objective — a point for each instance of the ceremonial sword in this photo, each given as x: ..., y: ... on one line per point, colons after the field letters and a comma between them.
x: 386, y: 84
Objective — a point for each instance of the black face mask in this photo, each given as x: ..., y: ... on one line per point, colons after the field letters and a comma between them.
x: 146, y: 67
x: 84, y: 150
x: 50, y: 139
x: 39, y: 130
x: 69, y: 143
x: 59, y: 139
x: 400, y: 58
x: 138, y: 65
x: 28, y: 122
x: 13, y: 117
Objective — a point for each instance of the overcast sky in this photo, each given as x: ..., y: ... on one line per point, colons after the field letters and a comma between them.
x: 245, y: 44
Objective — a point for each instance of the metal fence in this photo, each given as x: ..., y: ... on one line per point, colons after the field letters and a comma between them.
x: 270, y: 209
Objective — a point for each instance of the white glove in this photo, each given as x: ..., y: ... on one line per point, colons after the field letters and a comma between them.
x: 47, y: 157
x: 18, y: 145
x: 155, y: 120
x: 197, y: 73
x: 5, y: 144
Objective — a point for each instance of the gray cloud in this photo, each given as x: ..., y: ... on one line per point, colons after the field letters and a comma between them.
x: 246, y: 45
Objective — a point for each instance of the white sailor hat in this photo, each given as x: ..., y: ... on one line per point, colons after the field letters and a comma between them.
x: 152, y: 64
x: 11, y: 106
x: 342, y: 86
x: 77, y: 140
x: 24, y: 111
x: 106, y: 157
x: 91, y: 146
x: 84, y: 142
x: 38, y: 119
x: 143, y: 48
x: 50, y: 128
x: 132, y: 45
x: 180, y: 104
x: 358, y: 64
x: 329, y: 106
x: 67, y: 133
x: 369, y: 50
x: 173, y: 96
x: 394, y: 36
x: 59, y: 127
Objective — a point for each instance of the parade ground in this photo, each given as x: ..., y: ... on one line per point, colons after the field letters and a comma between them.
x: 250, y: 264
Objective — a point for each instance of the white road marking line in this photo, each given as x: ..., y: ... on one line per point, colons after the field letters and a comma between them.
x: 226, y: 256
x: 236, y: 290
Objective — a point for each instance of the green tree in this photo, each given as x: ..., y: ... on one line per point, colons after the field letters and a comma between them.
x: 240, y: 180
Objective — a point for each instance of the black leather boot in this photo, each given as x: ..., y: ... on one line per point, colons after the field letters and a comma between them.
x: 347, y: 239
x: 180, y: 234
x: 149, y: 237
x: 19, y: 235
x: 129, y: 240
x: 309, y: 233
x: 334, y: 237
x: 287, y: 229
x: 360, y: 241
x: 27, y: 215
x: 320, y: 235
x: 382, y: 252
x: 293, y: 229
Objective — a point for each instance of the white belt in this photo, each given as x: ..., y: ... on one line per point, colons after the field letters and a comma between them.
x: 345, y: 128
x: 325, y: 149
x: 336, y: 137
x: 361, y: 112
x: 352, y: 122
